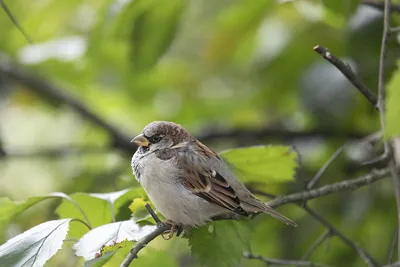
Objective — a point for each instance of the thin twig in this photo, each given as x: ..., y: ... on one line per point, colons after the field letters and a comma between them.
x: 396, y: 186
x: 395, y: 264
x: 152, y: 213
x: 142, y: 243
x: 60, y: 95
x: 269, y: 261
x: 324, y: 167
x: 392, y: 246
x: 348, y: 73
x: 325, y: 235
x: 346, y: 185
x: 381, y: 75
x: 214, y: 133
x: 382, y: 107
x: 53, y: 153
x: 394, y: 30
x: 363, y: 254
x: 380, y: 5
x: 15, y: 21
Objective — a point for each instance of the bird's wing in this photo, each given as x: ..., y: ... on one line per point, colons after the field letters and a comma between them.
x: 199, y: 177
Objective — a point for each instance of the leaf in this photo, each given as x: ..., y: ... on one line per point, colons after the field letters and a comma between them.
x: 149, y: 45
x: 122, y: 204
x: 35, y: 246
x: 220, y: 243
x: 236, y: 29
x: 139, y: 210
x: 263, y: 163
x: 9, y: 209
x: 92, y: 243
x: 110, y: 197
x: 97, y: 210
x: 98, y: 262
x: 392, y: 106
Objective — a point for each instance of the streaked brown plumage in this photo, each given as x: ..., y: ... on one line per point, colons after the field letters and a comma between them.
x: 187, y: 181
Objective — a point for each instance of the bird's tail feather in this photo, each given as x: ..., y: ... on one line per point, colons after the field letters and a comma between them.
x: 279, y: 216
x: 256, y: 205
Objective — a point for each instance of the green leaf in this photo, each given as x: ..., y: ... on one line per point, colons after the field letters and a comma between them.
x: 263, y: 164
x: 35, y: 246
x: 97, y: 210
x: 122, y: 204
x: 139, y: 211
x: 220, y: 243
x: 153, y: 25
x: 92, y: 244
x: 392, y: 106
x: 9, y: 209
x: 236, y: 30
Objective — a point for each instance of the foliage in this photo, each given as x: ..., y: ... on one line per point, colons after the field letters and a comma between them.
x: 98, y: 211
x: 220, y: 243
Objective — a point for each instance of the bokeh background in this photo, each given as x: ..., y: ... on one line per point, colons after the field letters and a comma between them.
x: 234, y: 73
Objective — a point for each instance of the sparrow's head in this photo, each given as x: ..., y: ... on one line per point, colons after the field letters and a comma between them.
x: 161, y: 134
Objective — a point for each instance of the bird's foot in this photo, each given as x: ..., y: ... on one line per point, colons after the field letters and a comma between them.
x: 174, y: 226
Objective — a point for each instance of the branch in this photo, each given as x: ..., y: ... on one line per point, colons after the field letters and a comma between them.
x: 363, y: 254
x: 393, y: 244
x: 380, y: 5
x: 348, y: 73
x: 161, y: 228
x: 346, y: 185
x: 53, y: 152
x: 15, y: 21
x: 395, y: 264
x: 58, y: 94
x: 316, y: 244
x: 269, y: 261
x: 216, y: 133
x: 382, y: 108
x: 324, y: 167
x: 142, y: 243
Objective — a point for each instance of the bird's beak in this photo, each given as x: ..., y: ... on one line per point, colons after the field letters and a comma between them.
x: 141, y: 140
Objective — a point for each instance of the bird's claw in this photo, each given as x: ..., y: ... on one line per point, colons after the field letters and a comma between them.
x: 171, y: 232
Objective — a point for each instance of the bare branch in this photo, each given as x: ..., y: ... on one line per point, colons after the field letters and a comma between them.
x: 363, y: 254
x: 395, y: 264
x: 142, y: 243
x: 396, y: 186
x: 346, y: 185
x: 324, y: 167
x: 392, y: 246
x: 215, y: 133
x: 54, y: 152
x: 380, y: 5
x: 269, y: 261
x: 348, y: 73
x: 58, y: 94
x: 382, y: 107
x: 15, y: 21
x: 316, y: 244
x: 153, y: 214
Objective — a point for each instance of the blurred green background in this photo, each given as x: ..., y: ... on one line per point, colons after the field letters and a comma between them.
x: 234, y: 73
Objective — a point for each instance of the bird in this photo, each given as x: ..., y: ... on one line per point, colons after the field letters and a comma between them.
x: 187, y: 182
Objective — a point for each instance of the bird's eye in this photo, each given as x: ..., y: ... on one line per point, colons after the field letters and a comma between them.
x: 156, y: 139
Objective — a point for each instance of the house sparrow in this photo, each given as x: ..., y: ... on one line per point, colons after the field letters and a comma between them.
x: 188, y: 182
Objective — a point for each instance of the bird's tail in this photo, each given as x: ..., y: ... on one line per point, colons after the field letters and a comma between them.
x: 256, y: 205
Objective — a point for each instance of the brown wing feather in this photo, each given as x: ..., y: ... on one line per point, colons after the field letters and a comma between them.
x: 207, y: 183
